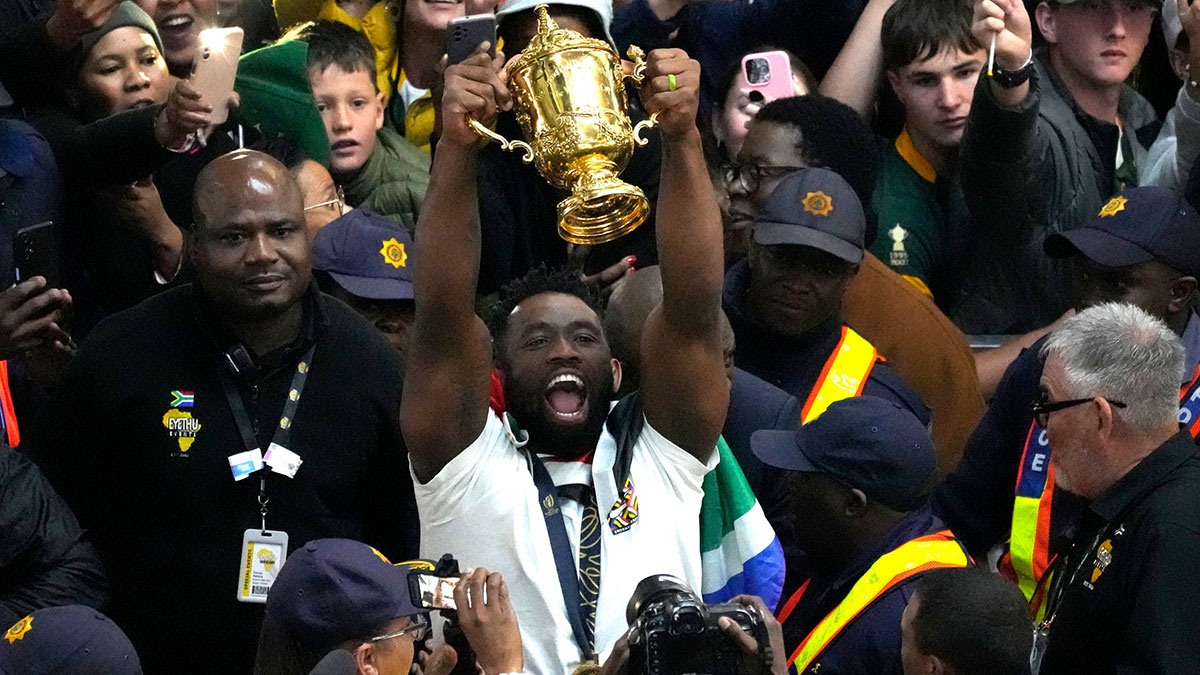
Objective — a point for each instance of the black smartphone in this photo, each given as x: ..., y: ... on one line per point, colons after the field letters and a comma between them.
x: 465, y: 34
x: 35, y: 253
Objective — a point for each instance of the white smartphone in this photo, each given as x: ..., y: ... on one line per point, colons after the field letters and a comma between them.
x: 215, y: 68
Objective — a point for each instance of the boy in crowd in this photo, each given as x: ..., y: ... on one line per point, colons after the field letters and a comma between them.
x: 376, y: 167
x: 932, y: 63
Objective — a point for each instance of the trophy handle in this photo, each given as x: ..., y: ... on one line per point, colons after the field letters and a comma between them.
x: 642, y: 126
x: 505, y: 144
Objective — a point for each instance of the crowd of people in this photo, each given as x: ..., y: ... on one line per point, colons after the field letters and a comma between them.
x: 900, y: 373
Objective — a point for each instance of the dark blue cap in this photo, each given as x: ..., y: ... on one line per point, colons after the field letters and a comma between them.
x: 71, y: 640
x: 865, y: 442
x: 1139, y: 225
x: 817, y: 208
x: 367, y: 255
x: 332, y: 590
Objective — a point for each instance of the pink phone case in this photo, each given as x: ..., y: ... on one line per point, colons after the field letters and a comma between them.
x: 215, y: 68
x: 775, y: 66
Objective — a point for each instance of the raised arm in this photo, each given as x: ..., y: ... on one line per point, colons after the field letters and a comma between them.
x: 853, y: 78
x: 445, y: 402
x: 684, y: 388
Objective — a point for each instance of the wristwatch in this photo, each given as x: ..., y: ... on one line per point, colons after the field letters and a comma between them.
x: 1013, y: 78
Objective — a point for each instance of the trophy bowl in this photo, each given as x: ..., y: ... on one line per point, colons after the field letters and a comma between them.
x: 569, y: 97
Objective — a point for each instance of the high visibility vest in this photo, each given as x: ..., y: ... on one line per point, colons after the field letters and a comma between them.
x: 911, y: 558
x: 844, y: 375
x: 1029, y: 538
x: 8, y: 414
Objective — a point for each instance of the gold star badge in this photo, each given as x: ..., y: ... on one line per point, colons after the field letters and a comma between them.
x: 393, y: 253
x: 19, y: 630
x: 818, y: 203
x: 1113, y: 207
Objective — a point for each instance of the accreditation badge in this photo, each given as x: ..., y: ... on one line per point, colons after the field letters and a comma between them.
x: 262, y: 556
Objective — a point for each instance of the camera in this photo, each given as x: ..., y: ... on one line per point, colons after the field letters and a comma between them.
x: 672, y: 631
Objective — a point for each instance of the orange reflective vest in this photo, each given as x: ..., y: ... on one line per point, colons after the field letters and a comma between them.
x: 8, y: 414
x: 844, y: 375
x: 911, y: 558
x: 1029, y: 539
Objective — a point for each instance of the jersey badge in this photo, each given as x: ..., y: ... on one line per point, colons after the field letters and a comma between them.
x: 899, y: 256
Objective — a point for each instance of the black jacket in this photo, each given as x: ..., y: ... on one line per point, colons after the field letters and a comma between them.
x: 45, y: 560
x: 1131, y: 598
x: 168, y: 516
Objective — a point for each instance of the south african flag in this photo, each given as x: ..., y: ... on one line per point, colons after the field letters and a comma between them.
x: 182, y: 399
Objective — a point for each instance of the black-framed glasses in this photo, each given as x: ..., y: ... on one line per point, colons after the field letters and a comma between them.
x: 1043, y: 408
x: 416, y: 629
x: 750, y: 175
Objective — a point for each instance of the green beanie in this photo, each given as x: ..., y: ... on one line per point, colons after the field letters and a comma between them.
x: 126, y: 14
x: 277, y: 98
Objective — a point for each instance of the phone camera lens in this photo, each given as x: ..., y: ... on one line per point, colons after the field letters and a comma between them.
x: 206, y: 54
x: 758, y: 71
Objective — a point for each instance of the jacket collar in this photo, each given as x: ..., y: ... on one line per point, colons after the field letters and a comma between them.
x: 1150, y: 473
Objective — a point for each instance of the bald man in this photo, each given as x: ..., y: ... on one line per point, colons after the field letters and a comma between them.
x: 181, y: 416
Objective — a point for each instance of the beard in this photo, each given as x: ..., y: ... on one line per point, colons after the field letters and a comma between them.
x: 527, y: 403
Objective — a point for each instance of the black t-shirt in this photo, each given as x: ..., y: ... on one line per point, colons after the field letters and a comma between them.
x: 165, y: 510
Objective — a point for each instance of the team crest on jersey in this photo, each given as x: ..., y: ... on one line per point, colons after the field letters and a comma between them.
x: 179, y: 422
x: 624, y: 513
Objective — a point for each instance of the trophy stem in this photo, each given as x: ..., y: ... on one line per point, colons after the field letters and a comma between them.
x: 601, y: 207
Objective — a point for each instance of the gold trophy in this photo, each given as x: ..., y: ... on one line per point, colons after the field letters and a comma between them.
x: 569, y: 96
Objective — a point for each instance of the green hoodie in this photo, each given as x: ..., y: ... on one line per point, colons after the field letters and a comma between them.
x: 393, y: 180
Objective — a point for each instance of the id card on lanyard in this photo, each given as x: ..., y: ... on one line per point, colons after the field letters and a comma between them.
x: 263, y: 551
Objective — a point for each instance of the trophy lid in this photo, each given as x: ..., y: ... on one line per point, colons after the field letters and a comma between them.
x: 550, y: 39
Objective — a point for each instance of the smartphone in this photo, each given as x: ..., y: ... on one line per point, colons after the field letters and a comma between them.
x: 35, y: 253
x: 435, y: 592
x: 215, y: 68
x: 466, y: 33
x: 767, y: 74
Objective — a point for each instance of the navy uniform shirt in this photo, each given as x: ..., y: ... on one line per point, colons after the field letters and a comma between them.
x: 163, y: 506
x: 795, y: 364
x: 870, y: 643
x: 1132, y: 602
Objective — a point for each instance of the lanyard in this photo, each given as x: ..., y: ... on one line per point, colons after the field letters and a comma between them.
x: 246, y: 427
x: 560, y: 545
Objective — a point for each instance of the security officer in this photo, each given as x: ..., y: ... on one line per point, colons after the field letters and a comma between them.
x: 365, y: 261
x: 784, y: 302
x: 1143, y: 248
x: 1123, y: 598
x: 202, y: 433
x: 861, y: 475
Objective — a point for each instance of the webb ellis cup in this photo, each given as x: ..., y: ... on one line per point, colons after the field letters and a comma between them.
x: 569, y: 96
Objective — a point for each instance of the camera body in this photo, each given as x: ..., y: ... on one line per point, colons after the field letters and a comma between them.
x: 674, y: 632
x: 434, y: 591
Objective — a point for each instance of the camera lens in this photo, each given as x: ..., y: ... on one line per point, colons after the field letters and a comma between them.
x: 207, y: 53
x: 757, y: 71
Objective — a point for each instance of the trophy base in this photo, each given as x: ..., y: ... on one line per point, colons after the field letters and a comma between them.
x: 606, y: 210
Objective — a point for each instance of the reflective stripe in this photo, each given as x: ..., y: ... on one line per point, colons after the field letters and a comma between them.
x: 844, y: 374
x: 1029, y: 538
x: 12, y: 433
x: 910, y: 558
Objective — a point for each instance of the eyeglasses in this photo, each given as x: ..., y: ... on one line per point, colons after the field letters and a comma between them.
x: 339, y: 201
x: 1043, y: 408
x: 416, y: 629
x: 750, y: 176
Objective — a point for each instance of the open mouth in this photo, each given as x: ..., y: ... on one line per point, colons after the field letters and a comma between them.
x: 176, y: 26
x: 344, y: 146
x: 567, y: 398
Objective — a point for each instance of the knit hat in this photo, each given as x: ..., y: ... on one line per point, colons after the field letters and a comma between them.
x: 277, y: 97
x: 126, y: 14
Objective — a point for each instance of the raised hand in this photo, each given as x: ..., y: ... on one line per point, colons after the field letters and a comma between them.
x: 672, y: 89
x: 33, y: 316
x: 473, y: 89
x: 183, y: 115
x: 489, y: 622
x: 1009, y: 22
x: 74, y: 18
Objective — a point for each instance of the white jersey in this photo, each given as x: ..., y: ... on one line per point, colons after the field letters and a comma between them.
x: 483, y: 508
